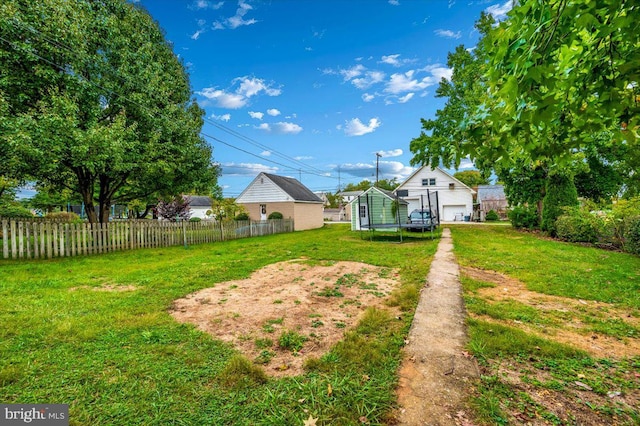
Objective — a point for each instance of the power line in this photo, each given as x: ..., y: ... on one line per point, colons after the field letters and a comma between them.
x: 218, y: 125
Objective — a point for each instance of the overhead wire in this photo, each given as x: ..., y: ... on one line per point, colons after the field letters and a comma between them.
x: 312, y: 170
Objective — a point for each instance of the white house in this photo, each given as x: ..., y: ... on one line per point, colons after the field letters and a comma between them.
x: 455, y: 199
x: 199, y: 206
x: 270, y: 193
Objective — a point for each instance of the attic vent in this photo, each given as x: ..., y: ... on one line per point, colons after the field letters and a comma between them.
x: 261, y: 181
x: 451, y: 185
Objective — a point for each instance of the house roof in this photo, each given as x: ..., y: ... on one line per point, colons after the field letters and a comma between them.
x: 350, y: 193
x: 294, y: 188
x: 200, y: 201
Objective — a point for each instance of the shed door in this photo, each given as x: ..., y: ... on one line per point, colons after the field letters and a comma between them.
x: 364, y: 215
x: 452, y: 213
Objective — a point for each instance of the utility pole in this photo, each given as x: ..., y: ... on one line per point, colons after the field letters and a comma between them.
x: 377, y: 162
x: 338, y: 178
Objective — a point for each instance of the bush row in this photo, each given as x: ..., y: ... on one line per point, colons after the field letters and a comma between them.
x: 617, y: 227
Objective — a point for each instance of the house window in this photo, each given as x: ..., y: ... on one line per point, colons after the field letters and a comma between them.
x: 363, y: 211
x: 429, y: 182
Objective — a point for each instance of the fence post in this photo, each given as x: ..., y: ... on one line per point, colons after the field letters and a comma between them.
x: 184, y: 233
x: 5, y: 239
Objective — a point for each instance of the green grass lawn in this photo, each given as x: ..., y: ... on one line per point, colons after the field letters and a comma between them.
x: 118, y: 357
x: 529, y: 378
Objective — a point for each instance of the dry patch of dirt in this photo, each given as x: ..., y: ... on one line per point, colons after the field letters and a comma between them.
x: 568, y: 326
x: 318, y: 300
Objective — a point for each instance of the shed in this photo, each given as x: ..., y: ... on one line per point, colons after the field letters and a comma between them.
x: 269, y: 193
x: 379, y: 209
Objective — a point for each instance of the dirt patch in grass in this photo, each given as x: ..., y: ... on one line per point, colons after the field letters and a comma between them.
x: 288, y: 311
x: 567, y: 314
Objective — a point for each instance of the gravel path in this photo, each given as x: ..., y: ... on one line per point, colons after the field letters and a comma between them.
x: 436, y: 375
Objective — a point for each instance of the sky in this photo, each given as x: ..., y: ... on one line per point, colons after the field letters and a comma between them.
x: 315, y: 89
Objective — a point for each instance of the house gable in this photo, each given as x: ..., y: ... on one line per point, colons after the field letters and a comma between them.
x: 276, y: 189
x: 433, y: 180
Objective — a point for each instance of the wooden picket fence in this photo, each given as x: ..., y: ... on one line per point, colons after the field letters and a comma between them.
x: 27, y: 239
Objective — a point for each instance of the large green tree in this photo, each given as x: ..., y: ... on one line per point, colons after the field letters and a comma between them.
x: 93, y: 99
x: 538, y: 92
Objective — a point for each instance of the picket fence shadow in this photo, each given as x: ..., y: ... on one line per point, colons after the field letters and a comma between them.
x: 36, y: 239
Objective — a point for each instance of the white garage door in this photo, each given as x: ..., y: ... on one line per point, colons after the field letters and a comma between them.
x: 451, y: 213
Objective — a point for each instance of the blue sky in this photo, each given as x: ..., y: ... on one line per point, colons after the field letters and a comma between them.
x: 313, y: 89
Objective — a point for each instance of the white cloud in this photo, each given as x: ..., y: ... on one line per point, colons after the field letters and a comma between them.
x: 394, y: 2
x: 206, y: 4
x: 352, y: 72
x: 402, y: 83
x: 406, y: 98
x: 246, y: 88
x: 499, y: 11
x: 264, y: 126
x: 391, y: 60
x: 303, y: 158
x: 355, y: 127
x: 223, y: 117
x: 245, y: 169
x: 273, y: 112
x: 367, y: 97
x: 224, y: 99
x: 237, y: 20
x: 265, y: 153
x: 196, y: 35
x: 386, y: 170
x: 256, y: 115
x: 393, y: 169
x: 370, y: 78
x: 448, y: 34
x: 392, y: 153
x: 287, y: 128
x: 439, y: 72
x: 466, y: 164
x: 395, y: 61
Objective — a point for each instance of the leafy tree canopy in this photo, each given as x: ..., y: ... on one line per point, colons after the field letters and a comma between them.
x: 388, y: 184
x: 93, y: 99
x: 539, y: 91
x: 471, y: 178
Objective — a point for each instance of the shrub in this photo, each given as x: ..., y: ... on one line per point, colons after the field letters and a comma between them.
x: 524, y: 217
x: 632, y: 236
x: 15, y: 210
x: 561, y: 192
x: 70, y: 217
x: 579, y: 225
x: 242, y: 216
x: 275, y: 215
x: 195, y: 219
x: 174, y: 209
x: 492, y: 215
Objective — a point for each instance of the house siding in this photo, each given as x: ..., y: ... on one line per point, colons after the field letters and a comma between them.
x: 451, y: 201
x: 263, y: 190
x: 304, y: 215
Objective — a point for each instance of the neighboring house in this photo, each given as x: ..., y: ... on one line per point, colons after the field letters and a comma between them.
x: 374, y: 208
x: 348, y: 197
x: 269, y: 193
x: 323, y: 196
x: 492, y: 197
x: 333, y: 215
x: 455, y: 199
x: 199, y: 206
